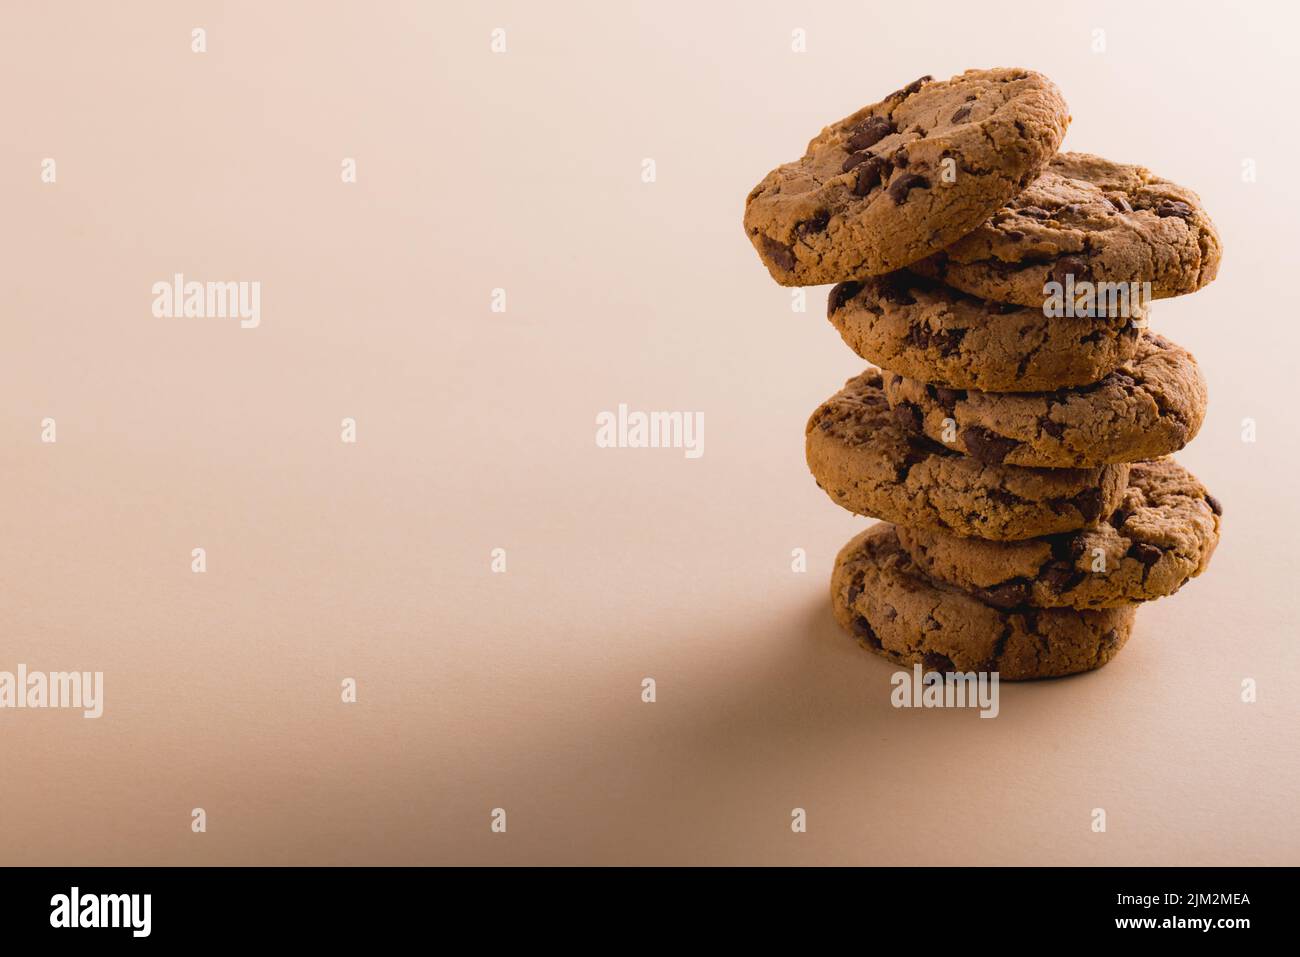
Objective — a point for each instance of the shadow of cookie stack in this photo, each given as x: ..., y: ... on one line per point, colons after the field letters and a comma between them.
x: 1015, y: 432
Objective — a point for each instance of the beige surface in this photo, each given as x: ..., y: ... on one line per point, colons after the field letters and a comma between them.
x: 476, y: 431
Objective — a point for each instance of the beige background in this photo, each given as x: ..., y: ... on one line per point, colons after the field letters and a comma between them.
x: 476, y: 430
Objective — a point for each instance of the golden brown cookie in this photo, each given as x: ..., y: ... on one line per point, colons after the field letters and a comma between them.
x: 922, y: 329
x: 1152, y: 405
x: 1090, y: 219
x: 902, y: 178
x: 883, y: 600
x: 1161, y: 536
x: 866, y: 462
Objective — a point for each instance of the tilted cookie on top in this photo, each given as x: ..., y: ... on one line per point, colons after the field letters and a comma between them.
x: 901, y: 179
x: 1092, y: 221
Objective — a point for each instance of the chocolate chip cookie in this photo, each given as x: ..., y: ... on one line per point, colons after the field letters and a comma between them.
x: 1094, y: 220
x: 883, y: 600
x: 1150, y: 406
x: 903, y: 178
x: 1161, y: 536
x: 923, y: 329
x: 868, y: 463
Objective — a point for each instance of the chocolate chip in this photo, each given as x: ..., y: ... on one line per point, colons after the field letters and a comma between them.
x: 900, y: 187
x: 987, y: 447
x: 1003, y: 497
x: 1008, y: 594
x: 961, y: 114
x: 869, y: 176
x: 1118, y: 518
x: 779, y: 253
x: 1061, y: 576
x: 1054, y: 429
x: 1171, y: 207
x: 1089, y: 503
x: 949, y: 340
x: 916, y: 452
x: 1118, y: 200
x: 855, y: 589
x: 1035, y: 212
x: 1147, y: 554
x: 1070, y: 266
x: 948, y: 398
x: 815, y: 225
x: 900, y: 157
x: 933, y: 661
x: 912, y: 87
x: 840, y: 294
x: 862, y: 628
x: 868, y: 133
x: 908, y: 416
x: 853, y: 160
x: 1213, y: 502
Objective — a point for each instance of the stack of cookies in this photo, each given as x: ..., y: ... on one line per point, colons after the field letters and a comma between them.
x: 1014, y: 433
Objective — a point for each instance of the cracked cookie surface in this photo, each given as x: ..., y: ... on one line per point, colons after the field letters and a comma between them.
x: 886, y: 603
x: 870, y: 464
x: 901, y: 179
x: 922, y: 329
x: 1160, y: 537
x: 1088, y: 217
x: 1150, y: 406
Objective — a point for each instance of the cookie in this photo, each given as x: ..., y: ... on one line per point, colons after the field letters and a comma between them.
x: 883, y: 600
x: 1090, y: 218
x: 925, y: 330
x: 1150, y: 406
x: 1161, y: 536
x: 868, y: 463
x: 903, y: 178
